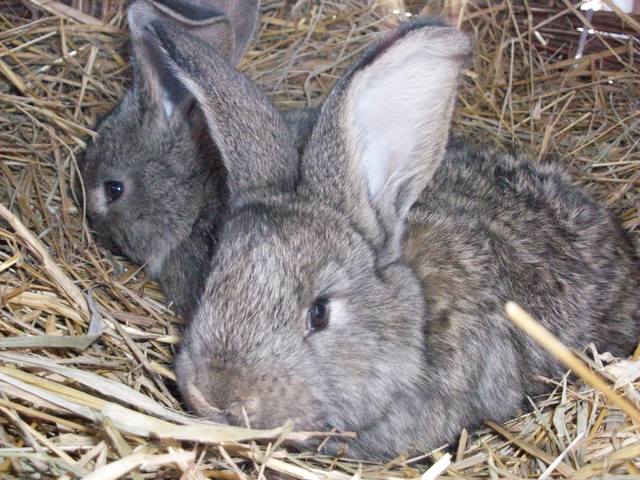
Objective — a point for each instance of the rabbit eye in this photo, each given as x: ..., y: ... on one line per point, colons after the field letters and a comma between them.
x: 318, y: 315
x: 113, y: 190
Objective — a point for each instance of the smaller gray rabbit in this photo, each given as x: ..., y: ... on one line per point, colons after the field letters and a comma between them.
x: 363, y: 286
x: 154, y: 182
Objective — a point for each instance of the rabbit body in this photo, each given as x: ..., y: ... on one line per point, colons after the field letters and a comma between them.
x: 155, y: 146
x: 433, y: 352
x: 491, y: 228
x: 362, y: 285
x: 173, y: 189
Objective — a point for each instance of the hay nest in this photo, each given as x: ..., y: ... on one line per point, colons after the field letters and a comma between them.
x: 86, y: 342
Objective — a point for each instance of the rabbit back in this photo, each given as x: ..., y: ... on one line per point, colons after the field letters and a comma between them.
x: 494, y: 227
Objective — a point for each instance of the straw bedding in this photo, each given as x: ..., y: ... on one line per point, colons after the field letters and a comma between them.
x: 86, y: 342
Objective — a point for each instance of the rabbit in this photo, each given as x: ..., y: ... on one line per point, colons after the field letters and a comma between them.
x: 154, y: 183
x: 361, y: 286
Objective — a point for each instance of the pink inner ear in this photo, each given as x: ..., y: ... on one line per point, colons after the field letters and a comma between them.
x: 168, y: 91
x: 399, y: 112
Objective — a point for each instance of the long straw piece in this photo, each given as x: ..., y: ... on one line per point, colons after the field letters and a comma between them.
x: 547, y: 340
x: 49, y: 264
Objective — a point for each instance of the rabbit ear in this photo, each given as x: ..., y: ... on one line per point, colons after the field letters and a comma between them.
x: 383, y: 130
x: 226, y: 25
x: 151, y: 76
x: 243, y: 15
x: 255, y: 143
x: 197, y: 17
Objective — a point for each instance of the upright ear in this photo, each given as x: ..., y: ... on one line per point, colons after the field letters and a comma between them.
x: 383, y: 130
x: 243, y: 15
x: 256, y: 146
x: 225, y: 25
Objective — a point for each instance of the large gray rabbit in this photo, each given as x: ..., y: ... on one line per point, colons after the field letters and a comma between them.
x: 363, y: 287
x: 153, y: 179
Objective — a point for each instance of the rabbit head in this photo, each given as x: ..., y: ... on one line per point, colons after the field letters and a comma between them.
x: 152, y: 167
x: 308, y: 314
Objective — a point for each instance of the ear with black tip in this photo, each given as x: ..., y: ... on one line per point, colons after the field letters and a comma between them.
x: 201, y: 19
x: 243, y: 16
x: 255, y: 144
x: 383, y: 130
x: 151, y: 77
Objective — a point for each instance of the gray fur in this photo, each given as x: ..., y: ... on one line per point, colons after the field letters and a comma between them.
x: 175, y: 190
x: 301, y: 122
x: 418, y: 345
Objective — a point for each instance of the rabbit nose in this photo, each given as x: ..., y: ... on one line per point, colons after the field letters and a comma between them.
x: 204, y: 406
x: 221, y: 417
x: 232, y: 414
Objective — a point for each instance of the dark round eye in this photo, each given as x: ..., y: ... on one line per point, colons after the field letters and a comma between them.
x: 318, y: 315
x: 113, y: 190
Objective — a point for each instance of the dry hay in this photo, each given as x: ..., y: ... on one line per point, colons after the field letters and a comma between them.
x: 86, y: 342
